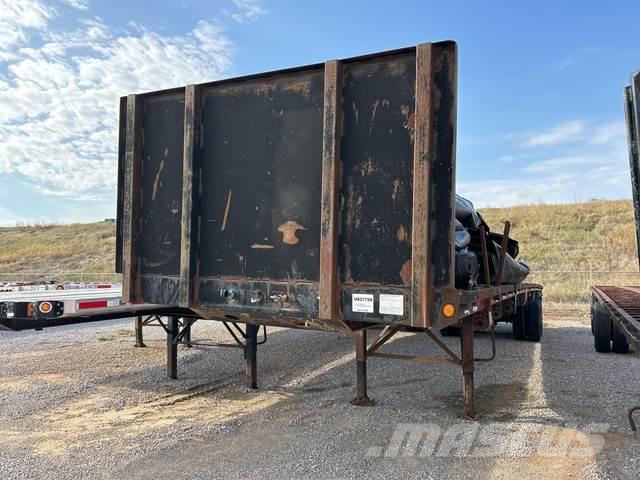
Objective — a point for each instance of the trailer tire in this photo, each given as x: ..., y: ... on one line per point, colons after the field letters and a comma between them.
x: 518, y: 324
x: 620, y: 344
x: 602, y: 326
x: 533, y: 319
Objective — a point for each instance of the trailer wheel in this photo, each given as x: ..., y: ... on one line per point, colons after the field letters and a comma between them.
x: 533, y: 319
x: 602, y: 326
x: 518, y: 324
x: 620, y: 344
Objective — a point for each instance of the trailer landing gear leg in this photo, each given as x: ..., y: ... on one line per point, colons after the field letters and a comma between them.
x: 250, y: 355
x: 172, y: 347
x: 466, y: 343
x: 138, y: 330
x: 362, y: 399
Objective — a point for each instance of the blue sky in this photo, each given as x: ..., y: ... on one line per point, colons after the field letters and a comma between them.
x: 540, y: 106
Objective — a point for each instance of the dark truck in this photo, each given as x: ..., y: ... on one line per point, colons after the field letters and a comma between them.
x: 320, y: 197
x: 615, y: 311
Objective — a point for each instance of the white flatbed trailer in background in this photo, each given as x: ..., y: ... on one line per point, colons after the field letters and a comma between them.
x: 40, y: 304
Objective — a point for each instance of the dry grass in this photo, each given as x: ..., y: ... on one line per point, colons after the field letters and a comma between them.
x: 56, y: 248
x: 566, y: 238
x: 571, y: 238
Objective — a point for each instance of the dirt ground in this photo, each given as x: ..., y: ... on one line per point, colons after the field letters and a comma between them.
x: 82, y: 402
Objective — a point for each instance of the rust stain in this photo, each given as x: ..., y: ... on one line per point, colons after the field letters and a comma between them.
x: 367, y: 168
x: 405, y: 272
x: 397, y: 67
x: 261, y: 246
x: 288, y: 230
x: 409, y: 120
x: 156, y: 181
x: 269, y: 86
x: 226, y: 212
x: 402, y: 233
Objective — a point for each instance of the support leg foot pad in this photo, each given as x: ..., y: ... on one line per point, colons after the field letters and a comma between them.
x: 363, y: 402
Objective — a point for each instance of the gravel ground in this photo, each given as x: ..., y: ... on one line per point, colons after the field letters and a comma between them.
x: 82, y: 402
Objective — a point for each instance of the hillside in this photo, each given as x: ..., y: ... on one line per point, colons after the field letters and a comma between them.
x: 566, y: 238
x: 571, y: 238
x: 58, y: 248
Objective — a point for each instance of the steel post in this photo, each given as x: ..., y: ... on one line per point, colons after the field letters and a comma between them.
x: 362, y: 398
x: 138, y: 330
x: 250, y: 355
x: 466, y: 344
x: 172, y: 347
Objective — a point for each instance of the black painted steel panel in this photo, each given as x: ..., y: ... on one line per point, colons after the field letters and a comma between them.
x: 161, y: 183
x: 260, y: 162
x: 377, y: 168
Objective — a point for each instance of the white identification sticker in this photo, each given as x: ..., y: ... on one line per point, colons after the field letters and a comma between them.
x: 391, y: 304
x: 361, y: 302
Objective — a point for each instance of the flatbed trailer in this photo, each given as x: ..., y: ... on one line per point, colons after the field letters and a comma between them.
x: 320, y: 197
x: 37, y: 308
x: 615, y: 311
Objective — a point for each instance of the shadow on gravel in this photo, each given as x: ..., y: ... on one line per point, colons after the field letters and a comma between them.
x: 325, y: 437
x: 592, y: 392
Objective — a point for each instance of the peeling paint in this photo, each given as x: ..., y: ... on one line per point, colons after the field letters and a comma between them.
x: 396, y: 185
x: 288, y: 230
x: 226, y: 212
x: 374, y: 108
x: 402, y: 233
x: 156, y: 181
x: 261, y: 246
x: 405, y: 272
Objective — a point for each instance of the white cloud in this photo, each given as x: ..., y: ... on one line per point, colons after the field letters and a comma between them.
x: 563, y: 187
x: 596, y: 166
x: 557, y: 163
x: 79, y: 4
x: 248, y: 10
x: 603, y: 134
x: 60, y: 99
x: 17, y: 20
x: 563, y: 133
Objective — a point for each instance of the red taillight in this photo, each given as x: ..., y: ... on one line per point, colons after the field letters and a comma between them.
x: 92, y: 304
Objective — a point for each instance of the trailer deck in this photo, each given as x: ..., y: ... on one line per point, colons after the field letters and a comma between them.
x: 615, y: 311
x: 623, y: 305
